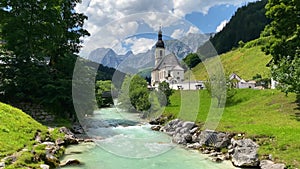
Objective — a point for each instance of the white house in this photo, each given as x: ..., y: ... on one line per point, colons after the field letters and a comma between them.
x: 167, y: 67
x: 241, y: 83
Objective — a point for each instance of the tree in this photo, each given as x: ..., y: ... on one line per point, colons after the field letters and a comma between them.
x: 221, y: 88
x: 284, y: 35
x: 192, y: 60
x: 139, y: 93
x: 164, y: 93
x: 41, y: 39
x: 134, y: 94
x: 104, y: 93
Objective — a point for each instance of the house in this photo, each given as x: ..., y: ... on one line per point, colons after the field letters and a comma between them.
x: 167, y: 67
x: 241, y: 83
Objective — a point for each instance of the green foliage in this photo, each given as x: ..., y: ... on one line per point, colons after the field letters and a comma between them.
x: 103, y: 93
x: 283, y: 44
x: 134, y: 94
x: 246, y: 25
x: 38, y: 53
x: 164, y: 92
x: 248, y: 114
x: 192, y: 60
x: 139, y: 93
x: 221, y: 88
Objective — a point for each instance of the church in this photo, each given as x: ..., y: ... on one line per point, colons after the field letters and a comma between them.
x: 167, y: 67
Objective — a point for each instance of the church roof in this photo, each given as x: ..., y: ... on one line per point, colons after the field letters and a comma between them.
x: 178, y: 68
x: 169, y: 61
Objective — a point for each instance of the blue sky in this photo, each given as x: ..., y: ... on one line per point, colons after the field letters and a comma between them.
x: 209, y: 22
x: 125, y: 25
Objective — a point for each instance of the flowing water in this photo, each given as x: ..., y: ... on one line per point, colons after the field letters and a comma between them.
x: 126, y: 142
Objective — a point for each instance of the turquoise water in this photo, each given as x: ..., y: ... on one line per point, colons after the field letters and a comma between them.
x: 134, y: 147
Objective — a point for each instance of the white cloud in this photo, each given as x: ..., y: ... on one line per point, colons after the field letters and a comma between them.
x: 140, y: 45
x: 221, y: 26
x: 178, y: 33
x: 108, y: 27
x: 193, y: 29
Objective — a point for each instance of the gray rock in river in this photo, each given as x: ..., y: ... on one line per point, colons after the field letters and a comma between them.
x: 245, y: 153
x: 267, y: 164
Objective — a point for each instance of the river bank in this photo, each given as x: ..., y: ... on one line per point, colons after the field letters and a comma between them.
x: 220, y: 146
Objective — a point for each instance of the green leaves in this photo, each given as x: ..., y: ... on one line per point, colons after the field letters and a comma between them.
x: 41, y: 39
x: 284, y: 31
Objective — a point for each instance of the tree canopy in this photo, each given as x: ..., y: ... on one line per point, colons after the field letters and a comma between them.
x: 40, y: 40
x: 284, y: 41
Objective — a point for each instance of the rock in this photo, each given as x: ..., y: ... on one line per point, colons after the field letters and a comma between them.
x: 70, y: 162
x: 44, y: 166
x: 194, y: 130
x: 267, y: 164
x: 59, y: 142
x: 214, y: 139
x: 194, y: 146
x: 52, y: 161
x: 245, y: 153
x: 65, y: 130
x: 189, y: 125
x: 187, y: 137
x: 156, y: 128
x: 69, y: 136
x: 77, y: 129
x: 2, y: 164
x: 88, y: 140
x: 158, y: 121
x: 49, y: 144
x: 217, y: 159
x: 179, y: 139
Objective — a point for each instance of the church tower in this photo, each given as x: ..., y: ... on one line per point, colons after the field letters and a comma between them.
x: 160, y: 48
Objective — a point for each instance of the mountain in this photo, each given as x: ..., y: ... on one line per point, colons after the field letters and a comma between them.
x: 246, y: 25
x: 130, y: 62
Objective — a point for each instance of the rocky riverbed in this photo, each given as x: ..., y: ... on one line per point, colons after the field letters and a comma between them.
x: 220, y: 146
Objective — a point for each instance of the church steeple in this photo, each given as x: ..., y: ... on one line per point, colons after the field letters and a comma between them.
x: 160, y: 48
x: 160, y: 42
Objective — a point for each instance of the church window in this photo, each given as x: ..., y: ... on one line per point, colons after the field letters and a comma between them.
x: 160, y: 52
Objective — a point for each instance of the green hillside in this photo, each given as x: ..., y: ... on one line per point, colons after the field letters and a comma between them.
x: 267, y: 116
x: 246, y: 62
x: 17, y: 133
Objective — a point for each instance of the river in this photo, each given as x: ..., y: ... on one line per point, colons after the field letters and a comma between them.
x: 133, y: 146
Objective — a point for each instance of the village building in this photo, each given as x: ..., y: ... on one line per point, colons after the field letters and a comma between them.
x: 241, y: 83
x: 167, y: 67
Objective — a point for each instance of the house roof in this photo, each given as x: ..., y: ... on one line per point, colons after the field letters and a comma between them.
x: 235, y: 76
x: 169, y: 61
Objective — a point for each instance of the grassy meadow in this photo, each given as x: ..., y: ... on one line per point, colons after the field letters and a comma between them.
x: 246, y: 62
x: 268, y: 116
x: 17, y: 137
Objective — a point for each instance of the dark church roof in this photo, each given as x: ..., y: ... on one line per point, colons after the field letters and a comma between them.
x: 160, y: 42
x: 169, y: 61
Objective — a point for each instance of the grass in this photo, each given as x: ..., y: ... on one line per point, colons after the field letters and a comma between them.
x: 246, y: 62
x: 17, y: 133
x: 268, y: 116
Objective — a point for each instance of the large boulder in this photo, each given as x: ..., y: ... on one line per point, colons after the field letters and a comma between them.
x: 245, y: 153
x: 267, y: 164
x: 213, y: 139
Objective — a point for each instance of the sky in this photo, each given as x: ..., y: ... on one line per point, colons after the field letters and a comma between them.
x: 125, y: 25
